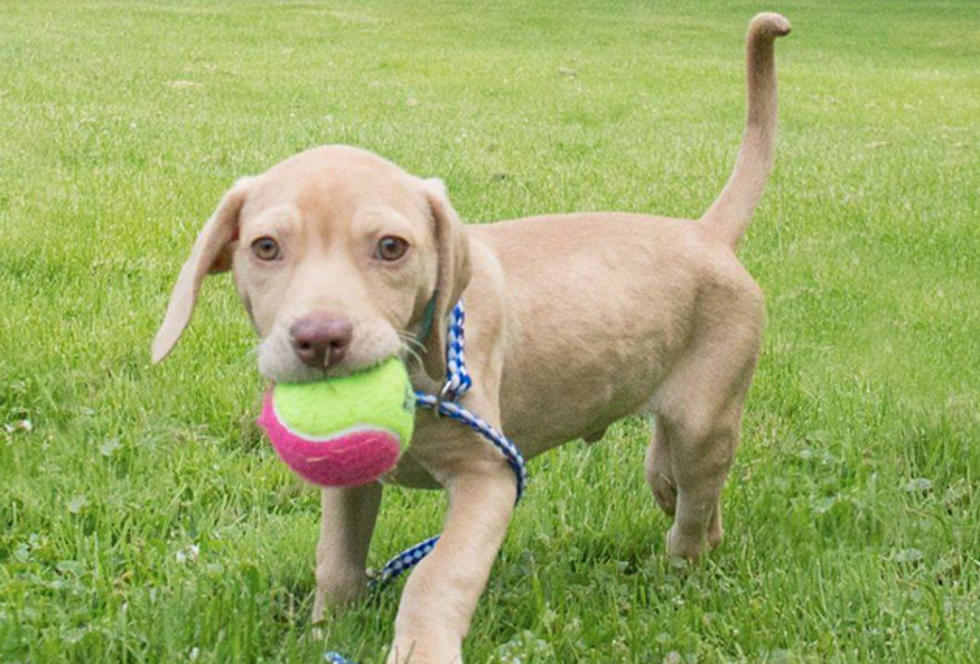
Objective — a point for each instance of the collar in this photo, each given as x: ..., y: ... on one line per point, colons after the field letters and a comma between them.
x: 428, y: 316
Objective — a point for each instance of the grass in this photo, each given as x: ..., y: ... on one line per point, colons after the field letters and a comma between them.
x: 145, y: 520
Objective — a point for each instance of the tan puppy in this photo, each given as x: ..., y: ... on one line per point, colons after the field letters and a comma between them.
x: 573, y: 322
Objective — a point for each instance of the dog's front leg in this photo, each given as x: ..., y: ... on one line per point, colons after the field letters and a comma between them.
x: 442, y: 592
x: 348, y: 517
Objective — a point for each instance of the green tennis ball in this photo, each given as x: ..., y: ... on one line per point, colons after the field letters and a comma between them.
x: 342, y: 431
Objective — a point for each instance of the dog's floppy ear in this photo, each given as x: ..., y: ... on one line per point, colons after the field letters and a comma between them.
x: 211, y: 254
x: 453, y: 275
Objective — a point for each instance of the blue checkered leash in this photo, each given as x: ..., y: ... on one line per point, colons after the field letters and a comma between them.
x: 458, y: 382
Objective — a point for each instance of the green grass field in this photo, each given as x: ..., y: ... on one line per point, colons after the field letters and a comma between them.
x: 142, y: 517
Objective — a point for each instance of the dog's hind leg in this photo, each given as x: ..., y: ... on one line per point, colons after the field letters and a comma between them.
x: 699, y: 419
x: 659, y: 470
x: 700, y: 465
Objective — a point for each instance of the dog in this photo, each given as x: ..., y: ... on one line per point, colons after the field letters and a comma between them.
x: 574, y: 321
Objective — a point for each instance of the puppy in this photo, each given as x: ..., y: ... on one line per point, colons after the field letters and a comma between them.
x: 573, y: 322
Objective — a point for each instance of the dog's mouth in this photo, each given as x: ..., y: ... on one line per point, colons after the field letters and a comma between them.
x: 279, y: 362
x: 297, y: 372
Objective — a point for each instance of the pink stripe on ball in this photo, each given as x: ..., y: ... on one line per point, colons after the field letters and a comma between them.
x: 349, y: 459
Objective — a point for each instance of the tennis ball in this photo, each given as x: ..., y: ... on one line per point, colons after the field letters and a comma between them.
x: 342, y: 431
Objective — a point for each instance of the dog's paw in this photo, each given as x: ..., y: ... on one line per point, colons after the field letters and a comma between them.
x: 683, y: 548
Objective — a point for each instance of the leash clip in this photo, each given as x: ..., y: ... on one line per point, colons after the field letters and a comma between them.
x: 446, y: 395
x: 440, y: 399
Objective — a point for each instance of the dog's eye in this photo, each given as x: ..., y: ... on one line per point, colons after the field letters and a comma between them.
x: 266, y: 249
x: 390, y: 248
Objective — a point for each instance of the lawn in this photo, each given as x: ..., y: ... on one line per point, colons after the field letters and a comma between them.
x: 144, y: 519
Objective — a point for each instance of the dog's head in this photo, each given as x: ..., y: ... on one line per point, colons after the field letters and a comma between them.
x: 341, y: 259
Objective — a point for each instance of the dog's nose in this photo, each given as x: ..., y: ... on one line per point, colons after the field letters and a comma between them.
x: 321, y: 338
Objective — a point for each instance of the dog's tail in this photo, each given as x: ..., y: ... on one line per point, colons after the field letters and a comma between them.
x: 729, y: 215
